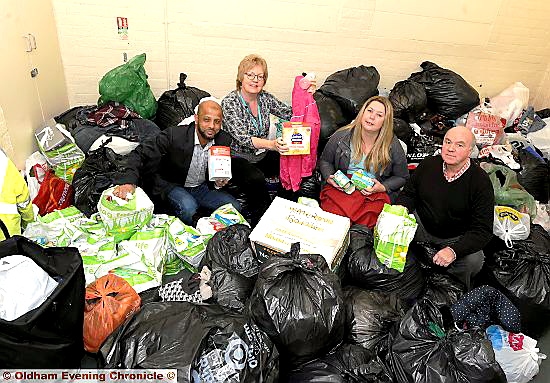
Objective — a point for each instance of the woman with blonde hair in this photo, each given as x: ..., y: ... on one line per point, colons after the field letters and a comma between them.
x: 367, y: 144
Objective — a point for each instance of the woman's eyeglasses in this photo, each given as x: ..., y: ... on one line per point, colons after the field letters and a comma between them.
x: 253, y: 76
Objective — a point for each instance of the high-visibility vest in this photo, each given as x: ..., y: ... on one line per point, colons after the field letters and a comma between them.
x: 15, y: 202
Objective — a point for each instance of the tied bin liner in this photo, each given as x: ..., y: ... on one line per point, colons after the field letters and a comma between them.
x: 233, y: 264
x: 427, y: 352
x: 205, y: 343
x: 298, y: 302
x: 366, y: 270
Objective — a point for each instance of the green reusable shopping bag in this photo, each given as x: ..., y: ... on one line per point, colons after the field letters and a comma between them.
x: 188, y: 243
x: 393, y: 233
x: 123, y: 218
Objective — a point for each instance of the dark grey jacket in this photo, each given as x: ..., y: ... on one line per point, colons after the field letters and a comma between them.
x: 162, y: 162
x: 337, y: 154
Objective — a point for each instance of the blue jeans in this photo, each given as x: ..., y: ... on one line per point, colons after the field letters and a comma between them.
x: 186, y: 200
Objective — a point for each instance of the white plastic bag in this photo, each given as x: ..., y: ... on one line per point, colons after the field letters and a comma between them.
x: 541, y: 139
x: 510, y: 225
x: 517, y: 354
x: 543, y: 216
x: 188, y: 243
x: 36, y: 167
x: 24, y: 286
x: 60, y: 150
x: 509, y: 103
x: 224, y: 216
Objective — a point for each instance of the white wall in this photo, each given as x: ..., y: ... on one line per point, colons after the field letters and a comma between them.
x: 491, y: 43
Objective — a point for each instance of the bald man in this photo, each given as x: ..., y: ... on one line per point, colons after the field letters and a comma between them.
x: 173, y: 165
x: 453, y: 201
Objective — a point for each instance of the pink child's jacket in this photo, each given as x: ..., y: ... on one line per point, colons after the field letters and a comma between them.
x: 295, y: 167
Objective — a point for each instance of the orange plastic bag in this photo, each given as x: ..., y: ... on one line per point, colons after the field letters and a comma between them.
x: 109, y: 301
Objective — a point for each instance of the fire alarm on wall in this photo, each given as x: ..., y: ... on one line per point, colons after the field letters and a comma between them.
x: 122, y: 25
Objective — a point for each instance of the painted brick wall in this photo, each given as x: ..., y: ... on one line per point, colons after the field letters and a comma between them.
x: 491, y: 43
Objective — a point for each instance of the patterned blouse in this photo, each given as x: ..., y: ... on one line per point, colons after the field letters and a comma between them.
x: 242, y: 125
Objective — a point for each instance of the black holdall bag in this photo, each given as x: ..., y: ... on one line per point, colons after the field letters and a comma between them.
x: 49, y: 336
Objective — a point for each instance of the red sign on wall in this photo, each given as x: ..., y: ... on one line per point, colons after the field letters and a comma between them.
x: 122, y: 24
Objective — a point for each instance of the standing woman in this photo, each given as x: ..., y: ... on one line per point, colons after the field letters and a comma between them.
x: 246, y: 113
x: 367, y: 143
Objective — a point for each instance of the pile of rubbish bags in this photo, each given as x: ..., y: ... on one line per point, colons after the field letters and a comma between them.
x: 161, y: 294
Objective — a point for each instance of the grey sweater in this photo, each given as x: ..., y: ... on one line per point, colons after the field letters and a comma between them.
x: 337, y: 155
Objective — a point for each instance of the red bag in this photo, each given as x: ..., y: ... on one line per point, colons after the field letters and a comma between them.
x: 487, y: 128
x: 54, y: 194
x: 109, y: 301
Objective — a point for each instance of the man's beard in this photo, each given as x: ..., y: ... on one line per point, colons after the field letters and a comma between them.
x: 203, y: 134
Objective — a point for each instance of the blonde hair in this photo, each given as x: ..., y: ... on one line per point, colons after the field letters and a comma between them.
x: 379, y: 156
x: 248, y: 63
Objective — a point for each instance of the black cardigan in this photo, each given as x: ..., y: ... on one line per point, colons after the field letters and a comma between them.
x: 163, y: 161
x: 461, y: 208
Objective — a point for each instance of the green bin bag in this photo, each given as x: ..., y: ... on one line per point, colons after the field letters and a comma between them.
x: 128, y: 85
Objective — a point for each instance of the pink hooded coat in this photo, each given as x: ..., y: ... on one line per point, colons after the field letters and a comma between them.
x: 295, y: 167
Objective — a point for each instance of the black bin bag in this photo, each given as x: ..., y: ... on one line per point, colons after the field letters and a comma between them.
x: 427, y: 352
x: 332, y: 118
x: 447, y: 92
x: 298, y: 302
x: 442, y: 288
x: 351, y: 87
x: 177, y: 104
x: 370, y: 316
x: 311, y: 186
x: 403, y: 131
x: 367, y: 272
x: 534, y: 175
x: 50, y: 336
x: 335, y: 367
x: 233, y: 264
x: 409, y: 100
x: 524, y: 271
x: 97, y: 173
x: 205, y: 343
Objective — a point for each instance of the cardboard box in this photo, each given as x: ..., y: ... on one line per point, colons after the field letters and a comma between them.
x: 362, y: 179
x: 219, y: 163
x: 297, y: 136
x: 286, y: 222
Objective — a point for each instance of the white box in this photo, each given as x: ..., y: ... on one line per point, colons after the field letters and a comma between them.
x: 219, y: 163
x: 286, y: 222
